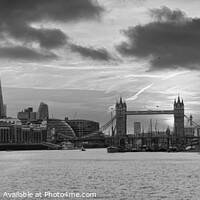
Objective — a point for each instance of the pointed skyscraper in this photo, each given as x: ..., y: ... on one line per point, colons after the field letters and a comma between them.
x: 1, y: 103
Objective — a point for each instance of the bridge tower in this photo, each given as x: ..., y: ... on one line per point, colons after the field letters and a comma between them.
x: 179, y: 118
x: 120, y: 110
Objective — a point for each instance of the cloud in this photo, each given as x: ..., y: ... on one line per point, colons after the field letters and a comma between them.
x: 170, y: 41
x: 20, y: 52
x: 46, y: 38
x: 100, y: 54
x: 18, y: 20
x: 58, y: 10
x: 164, y: 14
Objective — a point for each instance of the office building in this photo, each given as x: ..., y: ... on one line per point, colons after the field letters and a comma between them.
x: 137, y: 128
x: 27, y: 115
x: 43, y: 111
x: 58, y: 130
x: 82, y: 127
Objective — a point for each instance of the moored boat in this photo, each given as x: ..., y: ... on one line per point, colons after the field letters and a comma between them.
x: 83, y: 149
x: 68, y: 146
x: 112, y: 149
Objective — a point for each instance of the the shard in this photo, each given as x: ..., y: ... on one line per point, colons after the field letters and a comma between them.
x: 2, y: 113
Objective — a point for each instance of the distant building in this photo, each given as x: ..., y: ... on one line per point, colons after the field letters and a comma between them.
x: 43, y: 112
x: 189, y: 131
x: 10, y: 120
x: 12, y: 131
x: 58, y: 130
x: 51, y: 134
x: 82, y: 127
x: 192, y: 131
x: 2, y: 113
x: 137, y: 128
x: 5, y: 110
x: 27, y: 115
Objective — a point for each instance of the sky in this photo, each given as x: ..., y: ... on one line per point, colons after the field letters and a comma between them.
x: 80, y: 56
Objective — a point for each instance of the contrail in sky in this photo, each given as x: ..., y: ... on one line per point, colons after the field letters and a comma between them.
x: 147, y: 87
x: 174, y: 75
x: 138, y: 93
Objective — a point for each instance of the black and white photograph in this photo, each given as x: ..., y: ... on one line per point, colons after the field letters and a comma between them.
x: 99, y: 99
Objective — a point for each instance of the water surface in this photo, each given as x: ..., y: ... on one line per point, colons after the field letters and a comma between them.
x: 118, y: 176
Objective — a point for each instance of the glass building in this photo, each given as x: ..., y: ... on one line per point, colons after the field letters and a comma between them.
x: 59, y: 130
x: 43, y: 111
x: 82, y: 127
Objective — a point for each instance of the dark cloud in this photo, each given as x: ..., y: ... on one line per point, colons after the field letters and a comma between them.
x: 18, y: 16
x: 20, y: 52
x: 58, y: 10
x: 46, y: 38
x: 171, y: 40
x: 95, y: 54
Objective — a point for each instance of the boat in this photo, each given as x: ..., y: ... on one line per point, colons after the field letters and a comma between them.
x: 134, y: 150
x: 83, y: 149
x: 192, y: 149
x: 173, y: 149
x: 112, y: 149
x: 68, y: 146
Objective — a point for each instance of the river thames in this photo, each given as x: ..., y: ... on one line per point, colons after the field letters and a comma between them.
x: 117, y: 176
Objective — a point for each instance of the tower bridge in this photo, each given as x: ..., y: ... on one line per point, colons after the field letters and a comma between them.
x: 122, y: 113
x: 119, y: 127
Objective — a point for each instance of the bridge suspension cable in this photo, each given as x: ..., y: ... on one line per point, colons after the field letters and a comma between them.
x: 194, y: 123
x: 99, y: 131
x: 65, y: 136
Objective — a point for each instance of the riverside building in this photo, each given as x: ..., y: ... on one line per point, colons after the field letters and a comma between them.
x: 12, y: 131
x: 82, y: 127
x: 28, y: 115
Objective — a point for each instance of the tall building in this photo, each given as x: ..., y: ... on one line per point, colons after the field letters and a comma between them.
x: 43, y: 111
x: 178, y: 117
x: 5, y: 110
x: 2, y: 113
x: 137, y: 128
x: 82, y: 127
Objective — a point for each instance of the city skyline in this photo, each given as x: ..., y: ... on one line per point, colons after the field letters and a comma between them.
x: 82, y: 62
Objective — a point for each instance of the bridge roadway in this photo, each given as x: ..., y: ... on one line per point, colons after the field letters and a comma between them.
x: 151, y: 112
